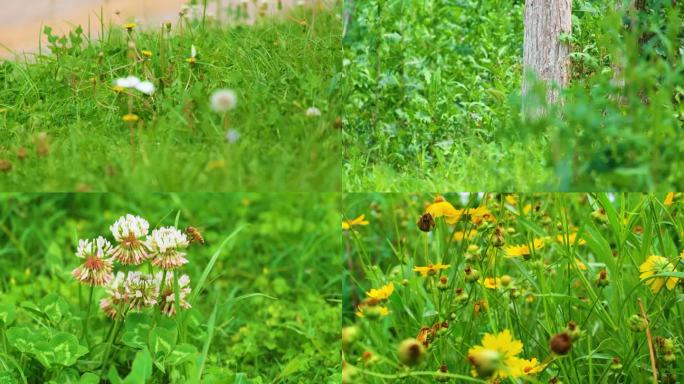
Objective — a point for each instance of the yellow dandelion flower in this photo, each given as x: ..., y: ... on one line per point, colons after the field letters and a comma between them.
x: 531, y: 366
x: 571, y: 238
x: 191, y: 60
x: 146, y: 53
x: 443, y: 208
x: 527, y: 208
x: 129, y: 26
x: 492, y: 282
x: 130, y: 118
x: 523, y: 249
x: 118, y: 88
x: 361, y: 220
x: 497, y: 357
x: 479, y: 215
x: 655, y: 265
x: 382, y: 293
x: 511, y: 199
x: 430, y: 269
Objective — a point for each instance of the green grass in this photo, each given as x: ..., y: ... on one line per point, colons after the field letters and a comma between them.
x: 434, y: 100
x: 265, y: 299
x: 548, y: 288
x: 63, y: 102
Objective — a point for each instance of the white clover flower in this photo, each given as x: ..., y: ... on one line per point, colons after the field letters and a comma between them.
x: 223, y: 100
x: 128, y: 232
x: 313, y: 112
x: 128, y: 82
x: 116, y: 292
x: 168, y: 295
x: 140, y: 290
x: 96, y: 270
x: 164, y: 245
x: 232, y: 136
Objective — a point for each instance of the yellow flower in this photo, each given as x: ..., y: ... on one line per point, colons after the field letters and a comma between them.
x: 383, y: 293
x: 191, y: 60
x: 492, y: 283
x: 372, y: 312
x: 460, y: 235
x: 146, y: 53
x: 443, y: 208
x: 654, y: 265
x: 129, y: 26
x: 571, y: 238
x: 361, y: 220
x: 130, y: 118
x: 511, y: 199
x: 118, y: 89
x: 531, y: 366
x: 497, y: 357
x: 523, y: 249
x: 430, y: 269
x: 580, y: 265
x: 669, y: 199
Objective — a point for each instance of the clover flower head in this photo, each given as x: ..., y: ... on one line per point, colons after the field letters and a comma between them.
x: 116, y: 292
x: 164, y: 244
x: 168, y: 295
x: 96, y: 269
x: 128, y: 232
x: 140, y: 290
x: 223, y: 100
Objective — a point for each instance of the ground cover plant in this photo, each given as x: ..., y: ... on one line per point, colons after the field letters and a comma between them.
x: 204, y: 102
x: 435, y: 99
x: 169, y: 288
x: 506, y: 288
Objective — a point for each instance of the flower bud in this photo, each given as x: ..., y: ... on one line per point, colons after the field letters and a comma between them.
x: 573, y: 330
x: 443, y: 283
x: 637, y: 323
x: 410, y: 352
x: 561, y: 344
x: 471, y: 275
x: 350, y: 335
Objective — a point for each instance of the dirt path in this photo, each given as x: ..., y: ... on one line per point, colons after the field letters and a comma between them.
x: 21, y: 21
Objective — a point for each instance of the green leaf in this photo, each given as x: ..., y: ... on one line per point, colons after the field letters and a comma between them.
x: 54, y: 306
x: 89, y: 378
x: 7, y: 313
x: 24, y: 339
x: 162, y: 341
x: 65, y: 349
x: 141, y: 370
x: 182, y: 354
x: 136, y: 330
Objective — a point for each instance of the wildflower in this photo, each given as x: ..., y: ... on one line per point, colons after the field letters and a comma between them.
x: 348, y: 224
x: 313, y: 112
x: 232, y: 136
x: 431, y: 269
x: 653, y: 266
x: 600, y: 215
x: 410, y: 352
x: 426, y: 223
x: 145, y: 87
x: 381, y: 294
x: 116, y: 292
x: 443, y: 208
x: 129, y: 231
x: 461, y: 295
x: 168, y: 295
x: 443, y: 283
x: 127, y: 82
x: 140, y: 290
x: 130, y: 118
x: 118, y: 88
x: 96, y: 270
x: 669, y: 199
x: 532, y: 366
x: 524, y: 249
x: 616, y: 364
x: 497, y: 357
x: 164, y: 245
x: 571, y: 239
x: 460, y: 235
x: 471, y: 275
x: 573, y: 330
x: 349, y: 335
x: 602, y: 279
x: 441, y: 373
x: 561, y: 343
x: 580, y: 265
x: 480, y: 306
x: 371, y: 310
x: 223, y: 100
x: 146, y: 53
x: 192, y: 60
x: 637, y: 323
x: 511, y: 199
x: 492, y: 283
x: 129, y: 27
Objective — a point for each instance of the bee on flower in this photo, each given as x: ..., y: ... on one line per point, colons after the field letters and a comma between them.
x: 96, y: 269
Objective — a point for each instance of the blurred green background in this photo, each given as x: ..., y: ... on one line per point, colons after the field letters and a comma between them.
x: 288, y: 250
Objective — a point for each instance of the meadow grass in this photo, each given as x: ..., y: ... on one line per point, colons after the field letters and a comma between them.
x: 434, y: 100
x: 577, y: 288
x: 265, y: 297
x: 61, y: 126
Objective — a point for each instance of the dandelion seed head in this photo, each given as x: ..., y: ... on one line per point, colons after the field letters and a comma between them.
x: 223, y: 100
x: 127, y: 82
x: 145, y: 87
x: 313, y: 112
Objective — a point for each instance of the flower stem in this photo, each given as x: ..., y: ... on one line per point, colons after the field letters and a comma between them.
x: 87, y: 318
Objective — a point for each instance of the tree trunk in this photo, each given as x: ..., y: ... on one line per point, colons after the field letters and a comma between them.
x: 543, y: 52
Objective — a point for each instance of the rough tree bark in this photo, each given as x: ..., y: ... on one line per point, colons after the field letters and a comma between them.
x: 543, y: 52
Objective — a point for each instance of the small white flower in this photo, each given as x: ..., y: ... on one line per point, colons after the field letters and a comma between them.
x: 164, y: 244
x: 313, y: 112
x: 99, y: 248
x: 145, y: 87
x: 232, y: 136
x: 128, y: 232
x: 193, y: 51
x: 223, y: 100
x: 128, y: 82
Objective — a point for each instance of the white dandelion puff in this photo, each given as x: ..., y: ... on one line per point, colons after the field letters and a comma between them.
x: 313, y: 112
x: 223, y: 100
